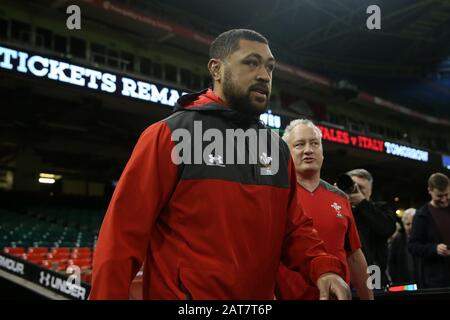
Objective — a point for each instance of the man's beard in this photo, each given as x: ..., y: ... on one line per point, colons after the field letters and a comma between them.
x: 239, y: 100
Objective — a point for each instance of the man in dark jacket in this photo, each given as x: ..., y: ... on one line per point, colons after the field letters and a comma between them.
x: 430, y: 235
x: 401, y: 263
x: 202, y: 225
x: 376, y: 222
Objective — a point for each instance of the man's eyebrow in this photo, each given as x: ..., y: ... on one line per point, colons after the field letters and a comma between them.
x: 259, y: 57
x: 307, y: 139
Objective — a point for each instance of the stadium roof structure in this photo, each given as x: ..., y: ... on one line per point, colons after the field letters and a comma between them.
x: 406, y: 61
x: 319, y: 45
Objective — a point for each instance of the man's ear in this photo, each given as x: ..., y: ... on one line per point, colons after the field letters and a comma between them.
x: 214, y: 67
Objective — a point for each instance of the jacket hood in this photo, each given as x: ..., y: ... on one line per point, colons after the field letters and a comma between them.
x: 203, y: 100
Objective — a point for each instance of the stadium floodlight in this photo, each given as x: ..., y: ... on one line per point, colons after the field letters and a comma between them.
x: 47, y: 180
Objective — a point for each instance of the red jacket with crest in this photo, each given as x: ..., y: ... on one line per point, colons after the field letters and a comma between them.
x: 203, y: 231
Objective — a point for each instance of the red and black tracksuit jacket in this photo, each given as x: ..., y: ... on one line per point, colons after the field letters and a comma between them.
x: 202, y: 231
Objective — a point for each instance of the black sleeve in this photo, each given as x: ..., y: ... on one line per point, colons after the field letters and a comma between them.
x: 393, y: 263
x: 379, y: 216
x: 417, y: 243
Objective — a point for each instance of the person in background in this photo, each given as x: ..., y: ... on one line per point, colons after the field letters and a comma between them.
x: 430, y: 235
x: 376, y: 222
x: 401, y: 263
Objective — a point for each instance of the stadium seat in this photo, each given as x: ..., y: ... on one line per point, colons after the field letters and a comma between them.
x: 33, y: 257
x: 49, y: 264
x: 82, y: 249
x: 81, y: 255
x: 55, y: 264
x: 66, y: 243
x: 58, y: 256
x: 80, y: 262
x: 14, y: 251
x: 38, y: 250
x: 50, y: 237
x: 62, y: 250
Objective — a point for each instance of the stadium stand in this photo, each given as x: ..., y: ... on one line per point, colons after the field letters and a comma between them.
x: 359, y: 86
x: 54, y: 238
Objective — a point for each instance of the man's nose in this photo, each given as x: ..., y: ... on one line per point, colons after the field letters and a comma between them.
x: 308, y: 149
x: 264, y: 75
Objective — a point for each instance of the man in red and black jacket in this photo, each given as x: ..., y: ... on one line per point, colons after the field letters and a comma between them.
x: 202, y: 226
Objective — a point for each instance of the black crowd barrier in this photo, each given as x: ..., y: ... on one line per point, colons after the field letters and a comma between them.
x: 60, y: 284
x: 41, y: 279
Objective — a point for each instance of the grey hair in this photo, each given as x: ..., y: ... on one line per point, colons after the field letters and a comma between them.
x: 361, y: 173
x: 408, y: 213
x: 297, y: 122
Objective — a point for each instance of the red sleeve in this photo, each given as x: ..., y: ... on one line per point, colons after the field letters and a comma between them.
x: 144, y: 188
x: 303, y: 250
x: 352, y: 241
x: 291, y: 285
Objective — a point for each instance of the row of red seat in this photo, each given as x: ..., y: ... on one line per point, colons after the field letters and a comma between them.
x: 57, y: 259
x: 62, y: 257
x: 62, y: 250
x: 54, y: 256
x: 61, y: 265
